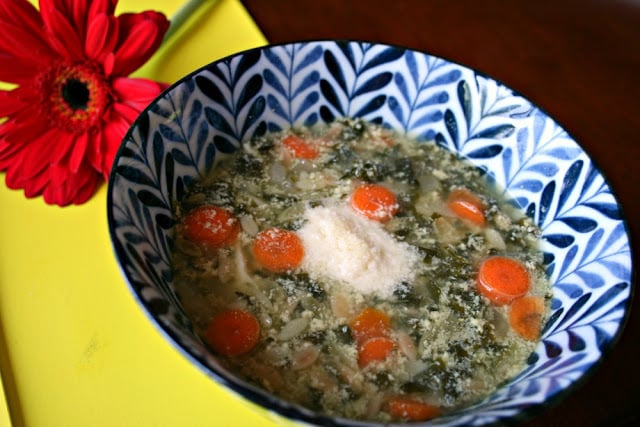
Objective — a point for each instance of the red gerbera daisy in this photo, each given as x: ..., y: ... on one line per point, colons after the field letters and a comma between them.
x: 71, y: 101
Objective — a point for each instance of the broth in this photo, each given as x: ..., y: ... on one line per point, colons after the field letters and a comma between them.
x: 352, y: 262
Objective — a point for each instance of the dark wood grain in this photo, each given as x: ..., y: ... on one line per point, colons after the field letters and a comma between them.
x: 579, y: 60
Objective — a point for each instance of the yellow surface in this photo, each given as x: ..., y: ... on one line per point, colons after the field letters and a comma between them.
x: 75, y: 348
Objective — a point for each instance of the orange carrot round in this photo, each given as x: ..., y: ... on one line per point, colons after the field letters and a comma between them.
x: 467, y: 206
x: 370, y: 323
x: 300, y: 148
x: 278, y: 250
x: 411, y: 409
x: 375, y: 349
x: 233, y: 332
x: 375, y: 202
x: 525, y: 316
x: 211, y: 227
x: 502, y: 279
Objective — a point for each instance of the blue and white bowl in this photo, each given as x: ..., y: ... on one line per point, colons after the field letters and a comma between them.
x: 212, y: 111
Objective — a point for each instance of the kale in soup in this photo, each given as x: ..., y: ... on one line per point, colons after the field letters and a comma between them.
x: 360, y: 273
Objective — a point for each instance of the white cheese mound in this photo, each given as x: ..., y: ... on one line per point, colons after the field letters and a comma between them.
x: 346, y: 247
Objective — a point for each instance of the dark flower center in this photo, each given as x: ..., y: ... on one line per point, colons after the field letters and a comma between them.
x: 76, y: 94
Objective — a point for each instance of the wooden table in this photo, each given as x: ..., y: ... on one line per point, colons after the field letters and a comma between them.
x: 577, y: 59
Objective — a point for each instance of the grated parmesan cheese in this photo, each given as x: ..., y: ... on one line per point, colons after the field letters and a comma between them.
x: 346, y: 247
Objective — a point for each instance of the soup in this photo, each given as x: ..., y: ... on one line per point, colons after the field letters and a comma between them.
x: 360, y: 273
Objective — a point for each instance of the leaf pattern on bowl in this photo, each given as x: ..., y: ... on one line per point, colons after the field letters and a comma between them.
x: 293, y: 82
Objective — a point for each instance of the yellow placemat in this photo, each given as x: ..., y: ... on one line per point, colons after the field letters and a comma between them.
x: 75, y: 348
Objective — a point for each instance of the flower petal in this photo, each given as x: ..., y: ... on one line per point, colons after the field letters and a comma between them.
x: 18, y: 70
x: 35, y: 186
x: 101, y: 6
x: 30, y: 167
x: 38, y: 154
x: 79, y: 13
x: 10, y: 156
x: 62, y: 32
x: 136, y: 93
x: 98, y: 7
x: 19, y: 42
x: 23, y: 126
x: 94, y: 153
x: 19, y: 162
x: 65, y: 187
x: 23, y: 12
x: 64, y: 147
x: 137, y: 90
x: 112, y: 135
x: 79, y: 151
x: 27, y: 19
x: 85, y: 190
x: 11, y: 102
x: 102, y: 37
x: 140, y: 36
x: 14, y: 178
x: 74, y: 11
x: 107, y: 64
x: 127, y: 112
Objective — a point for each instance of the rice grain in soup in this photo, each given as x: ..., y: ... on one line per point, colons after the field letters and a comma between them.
x: 363, y: 274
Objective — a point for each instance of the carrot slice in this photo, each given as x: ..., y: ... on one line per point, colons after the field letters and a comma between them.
x: 211, y: 227
x: 375, y: 349
x: 525, y: 316
x: 411, y: 409
x: 502, y: 279
x: 233, y: 332
x: 370, y: 323
x: 375, y: 202
x: 467, y: 206
x: 278, y: 250
x: 300, y: 148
